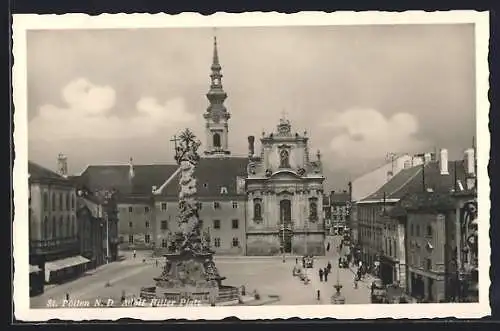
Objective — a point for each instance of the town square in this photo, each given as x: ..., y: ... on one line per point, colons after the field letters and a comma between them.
x: 216, y: 166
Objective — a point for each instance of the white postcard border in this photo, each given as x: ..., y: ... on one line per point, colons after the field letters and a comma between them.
x: 25, y: 22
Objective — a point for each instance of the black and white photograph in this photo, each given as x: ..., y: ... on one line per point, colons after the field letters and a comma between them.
x: 251, y: 165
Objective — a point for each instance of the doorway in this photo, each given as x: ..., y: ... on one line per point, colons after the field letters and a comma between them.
x: 286, y: 232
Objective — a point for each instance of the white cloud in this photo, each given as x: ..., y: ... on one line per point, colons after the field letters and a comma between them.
x: 363, y: 134
x: 88, y: 115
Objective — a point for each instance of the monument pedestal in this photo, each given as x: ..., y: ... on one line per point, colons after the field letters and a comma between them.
x: 190, y: 278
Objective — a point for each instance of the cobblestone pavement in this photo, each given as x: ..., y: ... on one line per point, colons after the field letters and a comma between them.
x: 267, y: 275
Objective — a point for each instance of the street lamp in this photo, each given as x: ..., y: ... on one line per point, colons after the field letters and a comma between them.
x: 337, y: 297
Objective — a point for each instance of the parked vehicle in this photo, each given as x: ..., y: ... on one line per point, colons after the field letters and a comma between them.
x: 378, y: 292
x: 307, y: 261
x: 343, y: 263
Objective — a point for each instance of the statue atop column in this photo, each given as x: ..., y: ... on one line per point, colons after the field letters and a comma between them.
x: 189, y: 238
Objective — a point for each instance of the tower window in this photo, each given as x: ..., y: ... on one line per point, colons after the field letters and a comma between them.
x: 216, y: 138
x: 257, y: 209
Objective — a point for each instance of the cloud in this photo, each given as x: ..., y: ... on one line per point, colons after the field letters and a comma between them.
x: 363, y: 134
x: 88, y: 114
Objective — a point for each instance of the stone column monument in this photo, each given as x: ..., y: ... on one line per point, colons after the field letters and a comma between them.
x: 190, y: 272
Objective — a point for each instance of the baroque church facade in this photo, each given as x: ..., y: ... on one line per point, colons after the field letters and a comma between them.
x: 254, y: 205
x: 285, y: 195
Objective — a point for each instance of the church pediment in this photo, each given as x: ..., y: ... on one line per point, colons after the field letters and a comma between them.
x: 284, y: 174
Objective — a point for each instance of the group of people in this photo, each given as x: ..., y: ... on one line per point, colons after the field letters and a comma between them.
x: 324, y: 272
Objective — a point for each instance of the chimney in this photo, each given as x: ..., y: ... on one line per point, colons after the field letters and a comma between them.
x: 443, y: 162
x: 427, y: 158
x: 251, y: 146
x: 62, y: 165
x: 131, y: 171
x: 389, y: 175
x: 469, y: 159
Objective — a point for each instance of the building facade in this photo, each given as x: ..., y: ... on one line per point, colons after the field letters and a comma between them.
x: 340, y: 206
x: 97, y: 228
x: 53, y: 229
x: 285, y: 196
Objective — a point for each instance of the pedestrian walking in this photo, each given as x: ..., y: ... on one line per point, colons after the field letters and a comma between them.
x: 67, y: 296
x: 328, y: 247
x: 325, y: 274
x: 134, y: 253
x: 156, y: 262
x: 320, y: 275
x: 318, y: 295
x: 355, y: 281
x: 329, y: 267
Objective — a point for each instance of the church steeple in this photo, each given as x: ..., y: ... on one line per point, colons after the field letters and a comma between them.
x: 216, y: 116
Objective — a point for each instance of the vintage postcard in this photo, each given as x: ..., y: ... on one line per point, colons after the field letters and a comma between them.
x: 257, y: 165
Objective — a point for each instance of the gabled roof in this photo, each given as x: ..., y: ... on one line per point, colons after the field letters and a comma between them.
x: 436, y: 201
x: 411, y: 180
x: 211, y: 174
x: 100, y: 177
x: 37, y: 172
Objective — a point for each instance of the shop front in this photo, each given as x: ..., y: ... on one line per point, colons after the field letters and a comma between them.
x: 388, y: 270
x: 36, y: 280
x: 61, y: 270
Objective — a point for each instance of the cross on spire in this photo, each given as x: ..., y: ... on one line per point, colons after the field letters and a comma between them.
x: 175, y: 139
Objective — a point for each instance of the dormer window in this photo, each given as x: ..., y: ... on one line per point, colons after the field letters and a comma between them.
x: 223, y: 190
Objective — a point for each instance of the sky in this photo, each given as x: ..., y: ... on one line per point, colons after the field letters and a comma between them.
x: 361, y: 92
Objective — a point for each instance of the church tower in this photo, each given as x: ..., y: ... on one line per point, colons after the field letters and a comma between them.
x: 216, y: 116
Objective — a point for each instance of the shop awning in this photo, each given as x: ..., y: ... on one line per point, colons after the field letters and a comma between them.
x: 34, y: 268
x: 63, y: 264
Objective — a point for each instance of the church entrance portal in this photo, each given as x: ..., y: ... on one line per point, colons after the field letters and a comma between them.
x: 286, y: 225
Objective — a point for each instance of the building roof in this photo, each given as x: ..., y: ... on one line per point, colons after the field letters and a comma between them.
x: 428, y: 201
x: 214, y: 173
x: 339, y: 197
x: 211, y: 174
x: 411, y: 180
x: 37, y: 172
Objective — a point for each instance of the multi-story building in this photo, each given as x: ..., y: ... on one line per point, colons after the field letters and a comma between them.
x: 340, y: 203
x: 382, y: 236
x: 53, y: 237
x: 372, y: 181
x: 97, y: 224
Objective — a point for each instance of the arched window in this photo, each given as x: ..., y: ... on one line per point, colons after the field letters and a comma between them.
x: 313, y: 209
x: 45, y: 201
x: 60, y: 229
x: 68, y: 226
x: 257, y: 209
x: 216, y: 140
x: 46, y: 228
x: 67, y: 201
x: 53, y: 201
x: 54, y: 227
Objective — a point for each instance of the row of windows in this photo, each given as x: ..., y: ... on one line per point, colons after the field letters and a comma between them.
x: 216, y: 224
x: 415, y: 230
x: 164, y: 243
x: 57, y: 228
x: 313, y: 208
x: 163, y: 206
x: 65, y: 201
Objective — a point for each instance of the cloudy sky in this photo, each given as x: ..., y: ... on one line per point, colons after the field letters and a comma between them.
x: 103, y: 96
